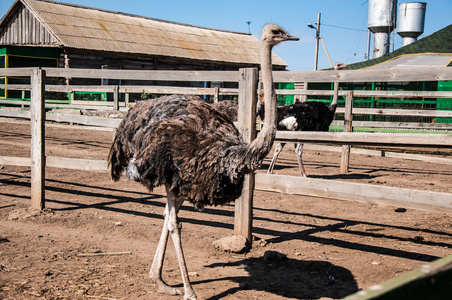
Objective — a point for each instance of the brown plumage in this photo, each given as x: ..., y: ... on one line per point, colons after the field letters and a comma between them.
x: 228, y: 107
x: 186, y: 142
x: 194, y: 149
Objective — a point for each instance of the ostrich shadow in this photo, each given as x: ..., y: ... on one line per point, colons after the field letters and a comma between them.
x: 301, y: 279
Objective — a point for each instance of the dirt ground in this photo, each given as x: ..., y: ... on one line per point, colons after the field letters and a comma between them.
x: 329, y: 248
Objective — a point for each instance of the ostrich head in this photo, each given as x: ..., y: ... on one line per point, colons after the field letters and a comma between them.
x: 274, y: 34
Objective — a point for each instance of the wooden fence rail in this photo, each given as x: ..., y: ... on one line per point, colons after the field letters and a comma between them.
x: 248, y: 80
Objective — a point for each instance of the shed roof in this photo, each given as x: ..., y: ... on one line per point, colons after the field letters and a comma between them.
x: 434, y: 49
x: 81, y: 27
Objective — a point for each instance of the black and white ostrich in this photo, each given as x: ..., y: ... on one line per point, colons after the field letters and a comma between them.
x: 195, y: 151
x: 304, y: 116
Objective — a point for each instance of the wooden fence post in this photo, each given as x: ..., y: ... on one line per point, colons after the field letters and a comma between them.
x: 246, y: 122
x: 37, y: 139
x: 116, y: 98
x: 348, y: 116
x: 216, y: 95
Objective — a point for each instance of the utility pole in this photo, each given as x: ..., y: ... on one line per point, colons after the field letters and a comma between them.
x: 317, y: 38
x: 248, y: 22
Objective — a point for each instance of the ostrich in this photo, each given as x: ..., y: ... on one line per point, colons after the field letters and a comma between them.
x: 304, y: 116
x: 195, y: 151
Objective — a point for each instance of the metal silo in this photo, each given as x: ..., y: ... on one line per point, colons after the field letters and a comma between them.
x: 410, y: 23
x: 381, y: 22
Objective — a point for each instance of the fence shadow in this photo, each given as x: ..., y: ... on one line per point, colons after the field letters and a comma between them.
x: 276, y: 274
x: 109, y: 199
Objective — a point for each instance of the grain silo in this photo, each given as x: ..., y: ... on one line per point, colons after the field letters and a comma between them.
x: 410, y: 22
x: 381, y: 22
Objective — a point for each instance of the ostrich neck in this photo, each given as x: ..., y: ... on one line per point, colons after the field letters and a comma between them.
x: 269, y: 92
x: 263, y: 143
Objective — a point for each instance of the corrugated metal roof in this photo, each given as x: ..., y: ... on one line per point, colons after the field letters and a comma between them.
x: 94, y: 29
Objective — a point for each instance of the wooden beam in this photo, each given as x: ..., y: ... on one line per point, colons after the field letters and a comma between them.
x: 366, y: 75
x: 77, y: 164
x: 166, y: 90
x: 146, y: 75
x: 37, y: 139
x: 403, y: 112
x: 15, y: 72
x: 348, y: 116
x: 246, y: 123
x: 369, y: 139
x: 59, y: 162
x: 397, y: 125
x: 350, y: 191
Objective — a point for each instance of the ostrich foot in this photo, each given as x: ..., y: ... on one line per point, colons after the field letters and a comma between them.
x: 190, y: 297
x: 164, y: 288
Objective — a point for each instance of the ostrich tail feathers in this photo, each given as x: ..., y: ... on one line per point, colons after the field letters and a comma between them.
x: 116, y: 160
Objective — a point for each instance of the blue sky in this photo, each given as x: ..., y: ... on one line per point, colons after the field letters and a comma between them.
x: 343, y: 22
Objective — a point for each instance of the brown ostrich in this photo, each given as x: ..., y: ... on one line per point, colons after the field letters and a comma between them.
x: 195, y: 151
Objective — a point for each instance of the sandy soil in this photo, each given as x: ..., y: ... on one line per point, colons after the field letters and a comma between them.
x: 330, y: 248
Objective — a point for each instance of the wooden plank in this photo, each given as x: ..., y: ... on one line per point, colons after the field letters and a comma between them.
x: 398, y: 112
x: 429, y: 281
x: 246, y: 123
x: 167, y: 90
x: 77, y: 164
x: 84, y: 120
x: 350, y: 191
x: 366, y: 75
x: 398, y: 125
x: 37, y: 139
x: 361, y: 93
x: 80, y: 88
x: 67, y: 118
x: 146, y: 75
x: 15, y: 161
x: 15, y: 72
x: 78, y: 105
x: 59, y: 162
x: 370, y: 139
x: 404, y: 94
x: 402, y: 112
x: 445, y: 160
x: 18, y: 87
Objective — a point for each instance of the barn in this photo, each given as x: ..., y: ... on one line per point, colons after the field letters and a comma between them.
x: 54, y: 34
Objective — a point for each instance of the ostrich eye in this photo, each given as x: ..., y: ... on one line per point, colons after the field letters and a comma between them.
x: 277, y: 32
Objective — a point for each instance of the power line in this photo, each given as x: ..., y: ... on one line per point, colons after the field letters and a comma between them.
x: 347, y: 28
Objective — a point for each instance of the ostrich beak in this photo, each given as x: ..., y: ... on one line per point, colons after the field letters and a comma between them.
x: 291, y: 38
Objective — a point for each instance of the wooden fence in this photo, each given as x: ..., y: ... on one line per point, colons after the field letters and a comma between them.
x: 247, y: 80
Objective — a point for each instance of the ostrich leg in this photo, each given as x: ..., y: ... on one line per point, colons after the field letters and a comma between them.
x: 156, y: 269
x: 299, y: 152
x: 174, y: 228
x: 278, y: 150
